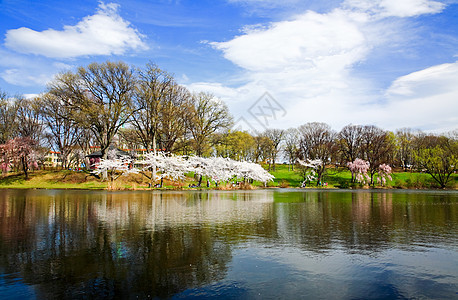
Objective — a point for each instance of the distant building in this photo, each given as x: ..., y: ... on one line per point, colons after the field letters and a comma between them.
x: 52, y: 159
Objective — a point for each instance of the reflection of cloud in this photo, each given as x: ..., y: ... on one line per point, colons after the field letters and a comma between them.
x: 104, y: 33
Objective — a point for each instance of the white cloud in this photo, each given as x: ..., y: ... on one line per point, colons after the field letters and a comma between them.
x: 305, y: 63
x: 104, y: 33
x: 27, y: 71
x: 30, y: 96
x: 310, y: 41
x: 396, y: 8
x: 308, y: 64
x: 431, y: 81
x: 23, y: 77
x: 426, y: 98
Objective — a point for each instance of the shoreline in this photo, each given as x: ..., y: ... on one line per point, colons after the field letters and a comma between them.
x: 185, y: 189
x: 71, y: 180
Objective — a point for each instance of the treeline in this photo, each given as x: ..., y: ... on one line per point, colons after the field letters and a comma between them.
x: 111, y: 103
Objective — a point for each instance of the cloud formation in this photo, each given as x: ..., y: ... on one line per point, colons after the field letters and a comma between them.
x: 396, y: 8
x: 308, y: 64
x: 103, y: 33
x: 425, y: 98
x: 311, y: 40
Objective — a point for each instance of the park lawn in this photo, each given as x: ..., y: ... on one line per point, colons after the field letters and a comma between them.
x: 65, y: 179
x: 415, y: 180
x: 335, y: 178
x: 341, y: 178
x: 52, y: 180
x: 283, y: 177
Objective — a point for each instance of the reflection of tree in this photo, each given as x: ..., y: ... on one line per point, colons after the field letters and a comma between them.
x: 67, y: 250
x: 365, y: 222
x: 101, y: 244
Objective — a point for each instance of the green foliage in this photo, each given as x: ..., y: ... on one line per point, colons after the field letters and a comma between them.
x: 439, y: 161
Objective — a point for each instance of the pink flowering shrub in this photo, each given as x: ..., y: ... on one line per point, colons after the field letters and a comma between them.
x: 19, y: 152
x: 384, y: 174
x: 359, y: 168
x: 5, y: 167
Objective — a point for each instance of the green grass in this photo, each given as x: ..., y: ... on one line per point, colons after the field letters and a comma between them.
x: 335, y: 178
x: 341, y: 178
x: 419, y: 181
x: 52, y: 180
x: 283, y: 176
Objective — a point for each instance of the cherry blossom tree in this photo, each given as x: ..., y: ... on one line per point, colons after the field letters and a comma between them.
x: 115, y: 166
x: 164, y: 165
x: 308, y: 170
x: 175, y: 167
x: 20, y: 153
x: 359, y: 169
x: 224, y: 169
x: 249, y: 170
x: 384, y: 174
x: 214, y: 168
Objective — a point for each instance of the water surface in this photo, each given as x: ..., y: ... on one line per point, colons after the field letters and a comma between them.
x: 264, y: 244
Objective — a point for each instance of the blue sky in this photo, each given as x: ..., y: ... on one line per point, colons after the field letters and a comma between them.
x: 392, y: 63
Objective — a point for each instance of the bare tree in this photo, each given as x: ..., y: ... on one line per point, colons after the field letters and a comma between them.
x: 291, y: 146
x: 64, y: 131
x: 99, y: 96
x: 29, y: 120
x: 317, y: 142
x: 262, y: 148
x: 276, y: 136
x: 8, y: 117
x: 175, y: 113
x: 349, y: 141
x: 376, y: 148
x: 405, y: 147
x: 208, y: 116
x: 153, y: 86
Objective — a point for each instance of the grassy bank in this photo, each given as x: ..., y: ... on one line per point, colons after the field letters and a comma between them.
x: 341, y: 178
x: 64, y: 179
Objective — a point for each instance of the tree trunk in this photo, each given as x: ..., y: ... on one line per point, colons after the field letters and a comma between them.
x: 24, y: 167
x: 153, y: 175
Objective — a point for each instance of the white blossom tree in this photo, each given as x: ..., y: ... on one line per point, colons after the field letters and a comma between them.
x: 224, y: 169
x: 115, y: 166
x: 175, y: 167
x: 309, y: 170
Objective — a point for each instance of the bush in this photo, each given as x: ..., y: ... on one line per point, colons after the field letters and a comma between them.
x: 284, y: 184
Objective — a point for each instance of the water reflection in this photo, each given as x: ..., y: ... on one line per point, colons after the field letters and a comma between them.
x: 69, y: 244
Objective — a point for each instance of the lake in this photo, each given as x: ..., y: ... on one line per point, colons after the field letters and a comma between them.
x: 262, y: 244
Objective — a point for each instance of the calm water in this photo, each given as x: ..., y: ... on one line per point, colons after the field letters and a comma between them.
x: 286, y: 244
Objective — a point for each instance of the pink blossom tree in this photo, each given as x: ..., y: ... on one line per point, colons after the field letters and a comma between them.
x: 384, y: 172
x: 359, y: 169
x: 20, y: 153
